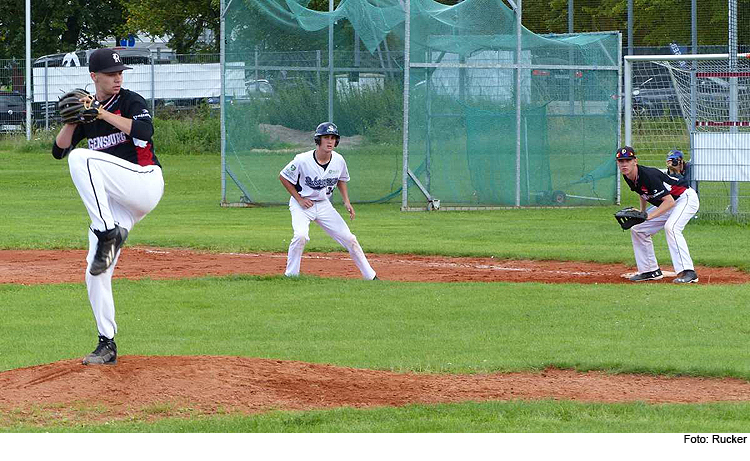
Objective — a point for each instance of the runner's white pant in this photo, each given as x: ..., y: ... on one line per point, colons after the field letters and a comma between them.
x: 323, y: 213
x: 673, y: 222
x: 114, y: 191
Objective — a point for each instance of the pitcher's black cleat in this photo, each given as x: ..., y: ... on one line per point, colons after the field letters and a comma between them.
x: 109, y: 244
x: 104, y: 354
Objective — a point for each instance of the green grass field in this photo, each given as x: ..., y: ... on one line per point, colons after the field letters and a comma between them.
x: 698, y: 330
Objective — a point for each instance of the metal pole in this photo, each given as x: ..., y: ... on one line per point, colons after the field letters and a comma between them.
x: 153, y: 86
x: 405, y: 167
x: 428, y: 143
x: 356, y: 52
x: 28, y: 70
x: 46, y: 94
x: 331, y: 77
x: 518, y: 102
x: 628, y: 101
x: 630, y: 27
x: 222, y: 52
x: 693, y: 86
x: 694, y: 24
x: 733, y: 96
x: 318, y: 64
x: 257, y: 63
x: 571, y: 72
x: 570, y: 16
x: 619, y: 106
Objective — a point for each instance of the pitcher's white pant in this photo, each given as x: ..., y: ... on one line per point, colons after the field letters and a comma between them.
x: 114, y: 191
x: 673, y: 222
x: 323, y: 213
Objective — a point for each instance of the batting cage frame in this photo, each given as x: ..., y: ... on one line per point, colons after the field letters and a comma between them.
x: 494, y: 116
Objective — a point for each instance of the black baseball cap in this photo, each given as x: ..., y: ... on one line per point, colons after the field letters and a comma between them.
x: 106, y: 60
x: 625, y: 153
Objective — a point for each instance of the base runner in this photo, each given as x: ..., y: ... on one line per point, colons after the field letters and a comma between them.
x: 310, y: 178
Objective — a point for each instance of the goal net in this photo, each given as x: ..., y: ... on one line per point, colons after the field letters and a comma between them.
x: 699, y: 104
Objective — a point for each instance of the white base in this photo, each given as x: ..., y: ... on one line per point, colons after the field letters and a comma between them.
x: 665, y: 273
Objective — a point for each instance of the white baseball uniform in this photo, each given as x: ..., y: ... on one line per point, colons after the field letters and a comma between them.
x: 317, y: 183
x: 119, y: 180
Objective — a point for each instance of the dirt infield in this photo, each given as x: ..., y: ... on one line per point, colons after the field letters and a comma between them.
x: 155, y: 387
x: 50, y: 266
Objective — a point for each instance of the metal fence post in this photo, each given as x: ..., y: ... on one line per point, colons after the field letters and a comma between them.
x: 46, y: 95
x: 153, y: 86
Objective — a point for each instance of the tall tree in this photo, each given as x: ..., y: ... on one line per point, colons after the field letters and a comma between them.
x: 57, y: 25
x: 182, y: 22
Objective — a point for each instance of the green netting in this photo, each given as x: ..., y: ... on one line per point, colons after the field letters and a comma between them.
x: 463, y: 144
x: 462, y: 110
x: 491, y: 150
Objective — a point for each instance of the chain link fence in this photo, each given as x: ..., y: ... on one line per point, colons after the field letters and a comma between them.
x: 173, y: 87
x: 172, y: 84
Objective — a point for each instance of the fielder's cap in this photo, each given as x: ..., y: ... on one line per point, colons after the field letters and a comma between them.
x: 106, y: 60
x: 674, y: 154
x: 625, y: 153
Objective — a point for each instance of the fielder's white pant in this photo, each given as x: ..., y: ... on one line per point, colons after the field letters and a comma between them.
x: 114, y: 191
x: 323, y: 213
x: 673, y: 222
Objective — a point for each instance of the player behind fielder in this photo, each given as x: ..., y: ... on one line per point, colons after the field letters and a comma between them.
x: 119, y: 180
x: 678, y: 167
x: 674, y: 204
x: 310, y: 180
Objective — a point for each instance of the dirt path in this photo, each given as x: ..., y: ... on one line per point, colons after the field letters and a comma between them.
x: 49, y: 266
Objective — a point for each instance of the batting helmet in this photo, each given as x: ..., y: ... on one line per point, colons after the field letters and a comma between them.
x: 675, y: 157
x: 327, y: 128
x: 674, y: 154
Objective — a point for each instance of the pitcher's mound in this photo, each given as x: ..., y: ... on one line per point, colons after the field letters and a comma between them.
x: 161, y: 386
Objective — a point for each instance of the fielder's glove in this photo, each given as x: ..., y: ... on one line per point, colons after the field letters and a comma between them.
x: 629, y: 217
x: 78, y: 106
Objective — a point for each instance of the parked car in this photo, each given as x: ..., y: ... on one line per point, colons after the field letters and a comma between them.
x: 45, y: 113
x: 12, y: 111
x: 80, y: 58
x: 656, y: 101
x: 554, y: 84
x: 254, y: 90
x: 655, y: 98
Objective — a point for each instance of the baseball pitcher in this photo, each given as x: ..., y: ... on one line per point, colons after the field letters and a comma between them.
x: 117, y: 176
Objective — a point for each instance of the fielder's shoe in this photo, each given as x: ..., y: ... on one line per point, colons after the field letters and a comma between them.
x: 376, y: 278
x: 104, y: 354
x: 109, y: 244
x: 642, y: 277
x: 686, y: 276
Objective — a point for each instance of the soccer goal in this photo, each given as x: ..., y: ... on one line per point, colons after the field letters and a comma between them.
x: 699, y: 104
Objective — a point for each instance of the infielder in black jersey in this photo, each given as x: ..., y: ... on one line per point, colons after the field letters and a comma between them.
x: 674, y: 203
x: 119, y: 180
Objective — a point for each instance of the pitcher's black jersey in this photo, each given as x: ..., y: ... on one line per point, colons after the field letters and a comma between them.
x: 136, y: 148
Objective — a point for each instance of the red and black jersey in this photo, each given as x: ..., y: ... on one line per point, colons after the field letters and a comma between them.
x: 653, y: 184
x: 136, y: 148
